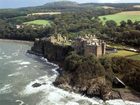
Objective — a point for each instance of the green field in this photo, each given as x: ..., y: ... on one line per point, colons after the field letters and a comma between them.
x: 38, y: 22
x: 122, y: 53
x: 118, y: 17
x: 135, y: 57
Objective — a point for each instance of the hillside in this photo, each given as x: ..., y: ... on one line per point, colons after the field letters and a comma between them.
x: 61, y: 4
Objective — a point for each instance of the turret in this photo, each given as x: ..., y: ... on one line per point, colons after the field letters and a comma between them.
x: 103, y: 48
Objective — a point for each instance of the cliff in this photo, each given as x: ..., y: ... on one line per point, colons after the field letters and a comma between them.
x: 53, y: 52
x: 88, y: 75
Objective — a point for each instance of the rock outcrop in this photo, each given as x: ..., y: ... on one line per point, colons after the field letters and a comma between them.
x: 53, y: 52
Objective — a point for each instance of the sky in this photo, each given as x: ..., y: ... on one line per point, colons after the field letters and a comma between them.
x: 26, y: 3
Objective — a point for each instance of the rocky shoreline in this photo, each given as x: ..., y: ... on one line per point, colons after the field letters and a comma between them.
x: 97, y: 86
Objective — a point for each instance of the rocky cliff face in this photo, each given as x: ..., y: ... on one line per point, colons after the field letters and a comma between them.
x: 52, y: 52
x: 86, y: 75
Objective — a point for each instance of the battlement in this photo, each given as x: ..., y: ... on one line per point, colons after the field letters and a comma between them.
x: 59, y: 39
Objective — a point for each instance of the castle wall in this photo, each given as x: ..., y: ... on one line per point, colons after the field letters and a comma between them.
x: 98, y: 51
x: 90, y: 46
x: 103, y: 48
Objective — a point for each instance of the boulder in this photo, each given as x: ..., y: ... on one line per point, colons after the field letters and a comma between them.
x: 36, y: 85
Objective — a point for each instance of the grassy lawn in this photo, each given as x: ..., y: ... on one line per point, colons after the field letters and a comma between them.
x: 135, y: 57
x: 38, y: 22
x: 122, y: 53
x: 117, y: 46
x: 118, y: 17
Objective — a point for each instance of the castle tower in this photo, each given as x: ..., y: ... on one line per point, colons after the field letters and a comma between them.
x: 103, y: 48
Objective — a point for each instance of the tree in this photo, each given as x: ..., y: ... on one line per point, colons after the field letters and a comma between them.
x: 111, y: 24
x: 123, y: 24
x: 129, y: 22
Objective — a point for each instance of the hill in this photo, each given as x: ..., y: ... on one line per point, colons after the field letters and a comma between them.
x: 61, y: 4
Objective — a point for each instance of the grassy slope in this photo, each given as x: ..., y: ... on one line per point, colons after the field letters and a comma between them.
x: 132, y: 15
x: 38, y: 22
x: 122, y: 53
x: 135, y: 57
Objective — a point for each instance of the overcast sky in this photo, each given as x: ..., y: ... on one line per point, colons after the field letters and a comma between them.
x: 25, y: 3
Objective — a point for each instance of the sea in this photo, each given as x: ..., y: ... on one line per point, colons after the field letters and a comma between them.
x: 20, y: 70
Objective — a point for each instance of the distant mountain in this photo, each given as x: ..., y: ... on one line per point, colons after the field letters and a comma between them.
x: 62, y: 4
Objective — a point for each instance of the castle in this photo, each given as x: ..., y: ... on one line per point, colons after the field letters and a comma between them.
x: 86, y: 45
x: 89, y: 45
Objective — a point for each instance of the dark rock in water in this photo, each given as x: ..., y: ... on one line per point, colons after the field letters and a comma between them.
x: 59, y: 70
x: 36, y: 85
x: 117, y: 83
x: 43, y: 83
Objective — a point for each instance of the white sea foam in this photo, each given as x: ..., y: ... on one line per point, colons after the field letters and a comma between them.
x: 6, y: 89
x: 131, y: 103
x: 22, y: 67
x: 45, y: 60
x: 14, y: 74
x: 20, y: 62
x: 121, y: 102
x: 24, y: 63
x: 72, y: 103
x: 29, y: 89
x: 115, y: 102
x: 7, y: 57
x: 15, y: 53
x: 54, y: 97
x: 14, y: 61
x: 20, y: 102
x: 58, y: 96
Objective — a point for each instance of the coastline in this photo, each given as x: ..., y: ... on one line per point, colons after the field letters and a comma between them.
x: 53, y: 54
x: 124, y: 101
x: 18, y: 41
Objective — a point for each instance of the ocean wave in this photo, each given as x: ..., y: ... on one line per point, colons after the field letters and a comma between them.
x: 72, y: 103
x: 6, y: 89
x: 45, y: 60
x: 121, y: 102
x: 14, y: 74
x: 15, y: 53
x: 58, y: 96
x: 29, y: 89
x: 7, y: 57
x: 131, y: 103
x: 22, y: 67
x: 24, y: 63
x: 20, y: 102
x: 20, y: 62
